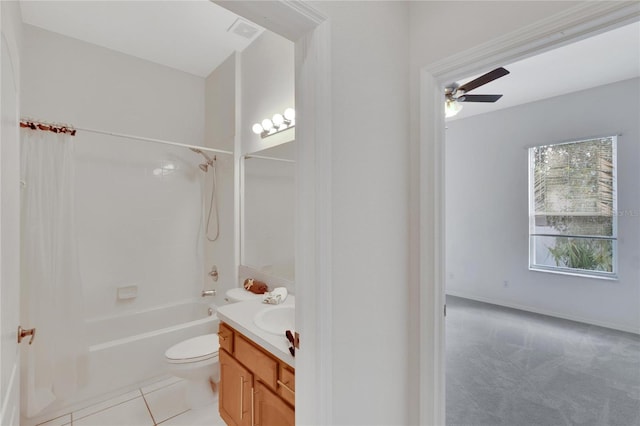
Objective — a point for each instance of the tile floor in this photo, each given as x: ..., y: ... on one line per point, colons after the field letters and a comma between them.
x: 161, y: 403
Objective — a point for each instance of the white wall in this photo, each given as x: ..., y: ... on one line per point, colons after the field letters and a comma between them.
x: 138, y: 224
x: 487, y: 205
x: 220, y: 104
x: 370, y: 106
x: 268, y: 82
x: 220, y: 130
x: 440, y: 29
x: 69, y: 80
x: 430, y: 23
x: 10, y: 62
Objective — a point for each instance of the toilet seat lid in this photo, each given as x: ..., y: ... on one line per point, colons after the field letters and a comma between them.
x: 195, y: 349
x: 240, y: 295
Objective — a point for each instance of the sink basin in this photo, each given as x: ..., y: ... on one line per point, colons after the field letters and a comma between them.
x: 276, y: 319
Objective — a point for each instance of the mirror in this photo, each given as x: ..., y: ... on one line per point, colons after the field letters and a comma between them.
x: 267, y: 214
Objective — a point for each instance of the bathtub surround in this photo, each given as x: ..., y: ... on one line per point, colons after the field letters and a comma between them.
x: 50, y: 270
x: 138, y: 204
x: 135, y: 227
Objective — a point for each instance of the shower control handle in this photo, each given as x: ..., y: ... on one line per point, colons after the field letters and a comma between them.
x: 214, y: 273
x: 24, y: 332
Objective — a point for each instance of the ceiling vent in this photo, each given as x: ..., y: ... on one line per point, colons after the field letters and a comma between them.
x: 244, y: 29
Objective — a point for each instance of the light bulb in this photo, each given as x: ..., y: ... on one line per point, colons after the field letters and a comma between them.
x: 290, y: 114
x: 267, y: 124
x: 257, y: 128
x: 278, y: 120
x: 451, y: 108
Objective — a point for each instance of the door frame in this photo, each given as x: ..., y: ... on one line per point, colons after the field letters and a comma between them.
x: 10, y: 237
x: 308, y: 28
x: 584, y: 20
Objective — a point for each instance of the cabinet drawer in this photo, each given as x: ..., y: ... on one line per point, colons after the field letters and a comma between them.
x: 287, y: 385
x: 262, y: 365
x: 225, y: 337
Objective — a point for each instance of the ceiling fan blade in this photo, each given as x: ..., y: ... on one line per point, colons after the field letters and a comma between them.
x: 478, y: 98
x: 484, y: 79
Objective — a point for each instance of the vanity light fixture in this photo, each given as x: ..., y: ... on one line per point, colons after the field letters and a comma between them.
x: 275, y: 124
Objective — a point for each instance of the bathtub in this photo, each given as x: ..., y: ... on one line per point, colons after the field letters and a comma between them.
x: 127, y: 351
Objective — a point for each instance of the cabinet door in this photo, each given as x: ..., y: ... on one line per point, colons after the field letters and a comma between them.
x: 270, y: 410
x: 236, y: 383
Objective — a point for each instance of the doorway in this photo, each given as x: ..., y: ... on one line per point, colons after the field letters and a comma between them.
x: 481, y: 223
x: 515, y: 46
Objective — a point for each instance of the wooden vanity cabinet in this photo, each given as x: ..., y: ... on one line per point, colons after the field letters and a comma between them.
x: 270, y: 410
x: 235, y: 396
x: 256, y: 388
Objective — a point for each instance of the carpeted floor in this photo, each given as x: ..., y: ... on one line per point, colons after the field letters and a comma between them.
x: 514, y: 368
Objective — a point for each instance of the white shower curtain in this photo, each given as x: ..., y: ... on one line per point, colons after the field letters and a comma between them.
x: 51, y: 286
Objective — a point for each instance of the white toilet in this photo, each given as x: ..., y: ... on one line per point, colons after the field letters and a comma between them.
x: 196, y: 360
x: 241, y: 295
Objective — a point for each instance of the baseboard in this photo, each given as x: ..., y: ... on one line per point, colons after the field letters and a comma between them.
x: 614, y: 326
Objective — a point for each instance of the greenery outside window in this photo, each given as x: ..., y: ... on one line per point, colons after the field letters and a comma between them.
x: 572, y: 207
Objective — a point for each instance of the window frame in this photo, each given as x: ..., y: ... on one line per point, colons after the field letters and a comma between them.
x: 613, y: 275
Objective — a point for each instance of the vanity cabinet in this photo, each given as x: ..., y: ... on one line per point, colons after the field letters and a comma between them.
x: 235, y: 402
x: 270, y: 410
x: 256, y: 388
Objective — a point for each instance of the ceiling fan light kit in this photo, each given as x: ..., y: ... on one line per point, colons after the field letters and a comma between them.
x: 455, y: 94
x: 451, y: 108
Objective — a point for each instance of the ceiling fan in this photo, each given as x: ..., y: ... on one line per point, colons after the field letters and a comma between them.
x: 454, y: 94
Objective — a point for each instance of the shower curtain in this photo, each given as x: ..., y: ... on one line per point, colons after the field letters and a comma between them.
x: 51, y: 286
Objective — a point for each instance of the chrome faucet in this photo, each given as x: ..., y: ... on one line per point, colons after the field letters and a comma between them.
x: 208, y: 293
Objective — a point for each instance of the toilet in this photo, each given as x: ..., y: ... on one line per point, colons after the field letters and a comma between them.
x: 241, y: 295
x: 196, y: 361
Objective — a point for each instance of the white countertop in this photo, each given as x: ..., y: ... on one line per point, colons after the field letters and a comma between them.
x: 240, y: 316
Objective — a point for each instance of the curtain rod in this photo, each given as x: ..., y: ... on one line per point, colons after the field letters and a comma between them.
x: 141, y: 138
x: 47, y: 127
x: 269, y: 158
x: 72, y: 129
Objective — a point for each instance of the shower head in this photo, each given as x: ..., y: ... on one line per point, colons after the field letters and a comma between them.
x: 204, y: 154
x: 204, y: 166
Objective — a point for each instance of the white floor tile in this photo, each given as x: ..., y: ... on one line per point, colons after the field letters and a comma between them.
x: 58, y: 421
x: 202, y: 417
x: 160, y: 384
x: 105, y: 404
x: 131, y: 413
x: 167, y: 402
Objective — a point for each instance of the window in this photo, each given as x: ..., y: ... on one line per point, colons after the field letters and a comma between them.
x: 572, y: 206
